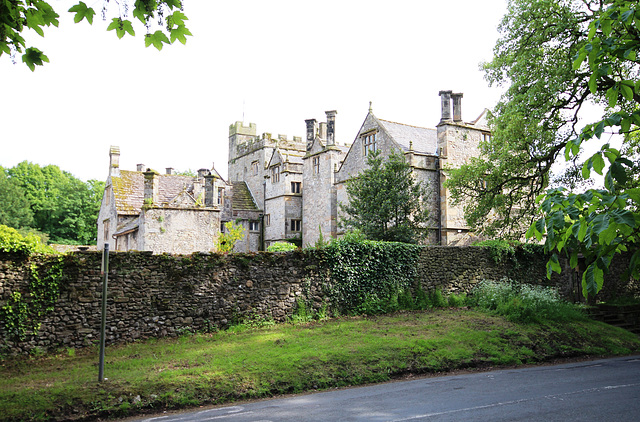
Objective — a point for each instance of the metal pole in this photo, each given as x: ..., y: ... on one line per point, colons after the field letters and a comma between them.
x: 104, y: 271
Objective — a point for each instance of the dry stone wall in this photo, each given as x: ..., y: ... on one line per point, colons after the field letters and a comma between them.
x: 166, y: 295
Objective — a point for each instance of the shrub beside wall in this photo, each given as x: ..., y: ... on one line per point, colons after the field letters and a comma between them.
x: 166, y: 295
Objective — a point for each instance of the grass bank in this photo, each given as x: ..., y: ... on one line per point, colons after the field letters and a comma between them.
x: 250, y: 363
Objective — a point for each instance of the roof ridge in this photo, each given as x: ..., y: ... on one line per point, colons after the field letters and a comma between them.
x: 405, y: 124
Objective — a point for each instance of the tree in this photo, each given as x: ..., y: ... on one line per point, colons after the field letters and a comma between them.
x: 556, y: 57
x: 385, y: 202
x: 232, y: 234
x: 534, y: 119
x: 600, y: 223
x: 18, y: 15
x: 63, y: 207
x: 14, y: 207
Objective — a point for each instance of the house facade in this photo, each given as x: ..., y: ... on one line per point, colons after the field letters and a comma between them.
x: 283, y: 189
x: 304, y: 183
x: 170, y: 213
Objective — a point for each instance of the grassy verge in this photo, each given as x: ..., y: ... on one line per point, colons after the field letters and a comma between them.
x: 253, y: 363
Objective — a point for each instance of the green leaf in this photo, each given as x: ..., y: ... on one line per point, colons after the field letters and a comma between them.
x: 634, y: 194
x: 573, y: 260
x: 180, y: 33
x: 586, y: 168
x: 158, y: 38
x: 82, y: 12
x: 626, y: 16
x: 579, y: 59
x: 553, y: 265
x: 625, y: 125
x: 598, y: 163
x: 34, y: 57
x: 592, y: 280
x: 177, y: 18
x: 608, y: 181
x: 583, y: 230
x: 627, y: 92
x: 606, y: 26
x: 630, y: 55
x: 625, y: 217
x: 567, y: 150
x: 128, y: 27
x: 618, y: 173
x: 600, y: 223
x: 607, y: 236
x: 121, y: 26
x: 139, y: 13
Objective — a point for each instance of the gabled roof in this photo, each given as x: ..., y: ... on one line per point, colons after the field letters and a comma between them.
x: 128, y: 190
x: 422, y: 140
x: 281, y: 156
x: 241, y: 198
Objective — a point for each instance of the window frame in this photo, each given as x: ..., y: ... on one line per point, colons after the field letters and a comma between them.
x: 275, y: 174
x: 296, y: 187
x: 295, y: 225
x: 369, y: 142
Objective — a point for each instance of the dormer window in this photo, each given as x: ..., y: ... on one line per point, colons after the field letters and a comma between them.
x: 369, y: 143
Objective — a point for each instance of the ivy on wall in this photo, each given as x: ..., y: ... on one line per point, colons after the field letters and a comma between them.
x: 24, y: 311
x: 366, y: 274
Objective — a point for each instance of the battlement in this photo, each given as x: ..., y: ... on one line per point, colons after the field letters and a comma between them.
x: 238, y: 128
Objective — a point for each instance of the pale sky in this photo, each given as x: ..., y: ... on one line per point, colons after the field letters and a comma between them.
x: 274, y: 62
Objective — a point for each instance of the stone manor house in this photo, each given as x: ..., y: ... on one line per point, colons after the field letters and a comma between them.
x: 283, y: 189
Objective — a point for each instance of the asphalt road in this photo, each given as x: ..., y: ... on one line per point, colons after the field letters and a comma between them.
x: 602, y: 390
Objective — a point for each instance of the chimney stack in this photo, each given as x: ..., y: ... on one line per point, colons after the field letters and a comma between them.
x: 114, y: 161
x: 445, y: 97
x: 312, y: 128
x: 150, y: 187
x: 457, y: 107
x: 169, y: 170
x: 331, y: 127
x: 323, y: 131
x: 208, y: 190
x: 139, y: 167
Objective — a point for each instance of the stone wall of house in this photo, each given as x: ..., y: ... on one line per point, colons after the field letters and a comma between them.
x: 178, y: 230
x: 457, y: 143
x: 320, y: 204
x: 165, y: 295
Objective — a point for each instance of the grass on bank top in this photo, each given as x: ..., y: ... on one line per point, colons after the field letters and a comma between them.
x: 233, y: 365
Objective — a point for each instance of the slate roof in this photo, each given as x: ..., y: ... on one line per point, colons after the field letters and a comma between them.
x: 241, y: 198
x: 424, y: 140
x: 128, y: 190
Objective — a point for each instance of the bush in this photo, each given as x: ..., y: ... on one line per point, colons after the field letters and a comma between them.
x: 281, y: 247
x: 12, y: 241
x: 367, y: 276
x: 522, y: 302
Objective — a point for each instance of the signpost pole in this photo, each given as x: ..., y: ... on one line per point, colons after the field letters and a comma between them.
x: 104, y: 272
